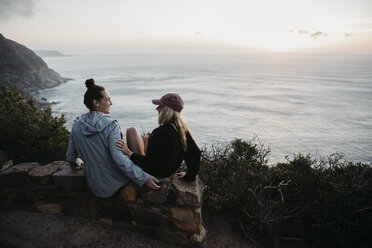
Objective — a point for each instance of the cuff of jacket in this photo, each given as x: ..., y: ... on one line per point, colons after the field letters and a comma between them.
x: 132, y: 156
x: 146, y: 177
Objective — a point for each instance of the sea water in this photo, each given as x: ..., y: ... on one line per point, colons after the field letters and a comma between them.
x: 295, y: 103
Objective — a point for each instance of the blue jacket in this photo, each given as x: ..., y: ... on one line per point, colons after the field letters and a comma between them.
x: 107, y: 169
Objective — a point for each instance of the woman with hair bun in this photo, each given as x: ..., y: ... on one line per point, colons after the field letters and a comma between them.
x: 162, y: 153
x: 93, y: 138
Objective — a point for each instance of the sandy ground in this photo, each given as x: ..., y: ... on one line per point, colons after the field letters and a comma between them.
x: 27, y: 229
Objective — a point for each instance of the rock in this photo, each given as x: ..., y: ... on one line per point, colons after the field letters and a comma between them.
x: 157, y: 195
x: 114, y: 207
x: 17, y: 174
x: 43, y: 174
x: 69, y: 178
x: 48, y: 208
x: 198, y: 238
x: 129, y: 192
x: 75, y: 206
x: 8, y: 195
x: 186, y: 219
x: 3, y: 158
x: 6, y: 165
x: 146, y: 215
x: 171, y: 235
x: 187, y: 193
x: 94, y: 207
x: 106, y: 221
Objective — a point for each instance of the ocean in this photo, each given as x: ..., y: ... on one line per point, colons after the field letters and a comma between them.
x: 317, y: 104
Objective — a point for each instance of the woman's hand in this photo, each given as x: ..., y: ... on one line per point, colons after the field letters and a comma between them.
x: 151, y: 183
x: 121, y: 146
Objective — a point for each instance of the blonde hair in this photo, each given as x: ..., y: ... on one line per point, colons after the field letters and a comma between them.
x: 169, y: 116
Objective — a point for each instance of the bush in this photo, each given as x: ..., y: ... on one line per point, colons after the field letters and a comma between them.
x: 235, y: 175
x: 28, y: 133
x: 325, y: 202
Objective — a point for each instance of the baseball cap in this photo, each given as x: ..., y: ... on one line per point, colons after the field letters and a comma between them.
x: 172, y: 100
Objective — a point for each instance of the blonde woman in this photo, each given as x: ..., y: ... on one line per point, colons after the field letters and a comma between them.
x: 162, y: 152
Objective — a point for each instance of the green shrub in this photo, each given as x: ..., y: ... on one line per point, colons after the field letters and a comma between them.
x: 234, y: 176
x: 325, y: 202
x: 29, y: 134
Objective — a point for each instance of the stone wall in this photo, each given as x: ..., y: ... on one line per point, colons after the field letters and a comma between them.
x: 172, y: 213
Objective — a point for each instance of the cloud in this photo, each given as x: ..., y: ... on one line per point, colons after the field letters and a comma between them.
x: 316, y: 35
x: 198, y: 33
x: 311, y: 35
x: 348, y: 35
x: 11, y: 8
x: 302, y: 32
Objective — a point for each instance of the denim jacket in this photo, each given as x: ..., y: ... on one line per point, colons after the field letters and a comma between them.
x: 107, y: 169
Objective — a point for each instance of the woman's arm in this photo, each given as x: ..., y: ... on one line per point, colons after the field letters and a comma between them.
x: 192, y: 159
x: 155, y: 153
x: 120, y: 144
x: 136, y: 174
x: 132, y: 171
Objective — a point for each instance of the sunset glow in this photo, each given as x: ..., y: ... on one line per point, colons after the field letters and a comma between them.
x: 174, y: 25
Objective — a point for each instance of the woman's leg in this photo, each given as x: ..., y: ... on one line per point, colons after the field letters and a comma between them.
x: 135, y: 142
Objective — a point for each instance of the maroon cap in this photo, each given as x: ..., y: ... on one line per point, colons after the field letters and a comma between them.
x: 172, y: 100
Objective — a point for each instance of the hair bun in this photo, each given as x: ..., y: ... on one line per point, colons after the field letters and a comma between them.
x: 89, y: 83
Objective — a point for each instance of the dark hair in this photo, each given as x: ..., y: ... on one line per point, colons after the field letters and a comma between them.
x: 93, y: 92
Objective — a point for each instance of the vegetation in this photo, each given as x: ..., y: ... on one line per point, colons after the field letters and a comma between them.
x: 324, y: 203
x: 29, y: 134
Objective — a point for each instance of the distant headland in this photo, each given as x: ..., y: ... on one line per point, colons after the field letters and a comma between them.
x: 49, y: 53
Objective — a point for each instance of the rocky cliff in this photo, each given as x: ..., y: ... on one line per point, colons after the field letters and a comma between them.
x: 22, y: 69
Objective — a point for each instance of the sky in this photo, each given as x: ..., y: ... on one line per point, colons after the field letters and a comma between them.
x: 175, y: 26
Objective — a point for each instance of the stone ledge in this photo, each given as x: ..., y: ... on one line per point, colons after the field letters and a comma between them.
x: 6, y: 165
x: 175, y: 191
x: 68, y: 178
x: 146, y: 215
x: 17, y: 174
x: 43, y: 174
x: 198, y: 238
x: 187, y: 193
x: 189, y: 220
x: 159, y: 196
x: 172, y: 213
x: 3, y: 158
x: 48, y: 208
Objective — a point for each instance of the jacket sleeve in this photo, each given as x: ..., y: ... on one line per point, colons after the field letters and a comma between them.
x: 132, y: 171
x: 71, y: 154
x: 192, y: 159
x: 155, y: 154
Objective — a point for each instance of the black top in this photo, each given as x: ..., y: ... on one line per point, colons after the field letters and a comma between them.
x: 164, y: 154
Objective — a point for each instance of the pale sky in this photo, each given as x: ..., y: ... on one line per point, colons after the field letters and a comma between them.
x: 109, y: 26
